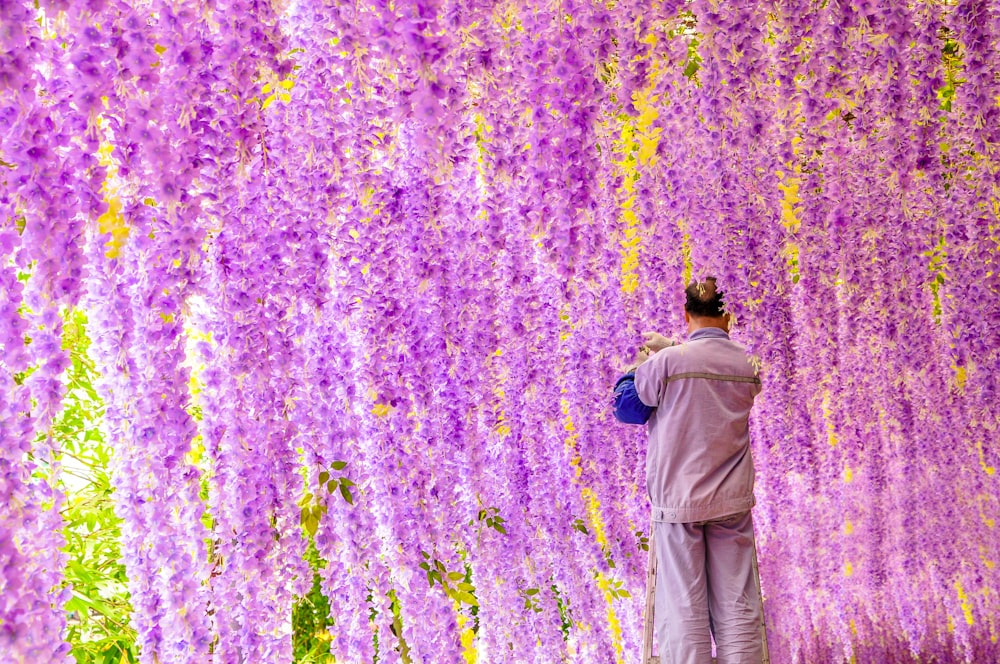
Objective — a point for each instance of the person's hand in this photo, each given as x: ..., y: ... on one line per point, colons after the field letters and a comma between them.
x: 641, y: 356
x: 656, y: 342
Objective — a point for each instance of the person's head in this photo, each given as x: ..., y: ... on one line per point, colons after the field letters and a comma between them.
x: 704, y: 306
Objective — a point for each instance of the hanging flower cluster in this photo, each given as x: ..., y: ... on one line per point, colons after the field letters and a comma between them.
x: 360, y: 276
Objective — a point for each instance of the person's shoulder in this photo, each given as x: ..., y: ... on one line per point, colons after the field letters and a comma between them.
x: 740, y: 353
x: 749, y: 361
x: 735, y: 344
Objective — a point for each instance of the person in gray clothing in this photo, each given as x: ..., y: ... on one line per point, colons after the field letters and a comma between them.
x: 700, y: 476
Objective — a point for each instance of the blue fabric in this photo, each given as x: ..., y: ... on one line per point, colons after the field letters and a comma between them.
x: 628, y: 407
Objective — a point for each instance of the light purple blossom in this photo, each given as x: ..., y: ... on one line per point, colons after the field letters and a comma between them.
x: 398, y: 242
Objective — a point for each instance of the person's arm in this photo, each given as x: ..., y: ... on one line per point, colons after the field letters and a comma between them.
x: 655, y: 342
x: 650, y: 376
x: 650, y: 379
x: 635, y: 399
x: 628, y: 408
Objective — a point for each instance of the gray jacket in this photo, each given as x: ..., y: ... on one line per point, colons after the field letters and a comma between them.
x: 698, y: 466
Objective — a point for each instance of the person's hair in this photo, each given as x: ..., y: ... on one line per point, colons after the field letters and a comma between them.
x: 703, y: 300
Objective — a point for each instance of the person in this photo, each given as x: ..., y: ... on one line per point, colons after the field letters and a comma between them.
x: 700, y: 476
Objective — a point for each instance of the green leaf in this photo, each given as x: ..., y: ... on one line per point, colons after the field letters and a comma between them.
x: 311, y: 524
x: 76, y: 604
x: 464, y: 597
x: 324, y: 477
x: 692, y: 68
x: 338, y: 465
x: 531, y: 591
x: 80, y: 572
x: 96, y: 603
x: 345, y: 491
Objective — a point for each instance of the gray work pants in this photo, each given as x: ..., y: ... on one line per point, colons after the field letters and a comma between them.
x: 706, y: 582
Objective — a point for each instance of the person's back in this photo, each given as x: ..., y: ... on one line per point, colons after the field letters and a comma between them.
x: 698, y: 464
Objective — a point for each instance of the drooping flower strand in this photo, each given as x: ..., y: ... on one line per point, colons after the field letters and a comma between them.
x: 42, y: 245
x: 370, y: 576
x: 425, y: 249
x: 344, y: 534
x: 817, y: 383
x: 257, y: 428
x: 407, y: 506
x: 502, y: 612
x: 329, y: 430
x: 165, y: 243
x: 454, y: 315
x: 162, y: 504
x: 34, y: 622
x: 557, y: 509
x: 971, y: 217
x: 597, y: 466
x: 500, y: 148
x: 592, y: 35
x: 963, y: 261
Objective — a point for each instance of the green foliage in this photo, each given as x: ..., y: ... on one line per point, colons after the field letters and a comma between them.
x: 643, y: 540
x: 687, y: 28
x: 98, y: 612
x: 531, y: 597
x: 565, y: 619
x: 457, y: 585
x: 616, y: 588
x: 311, y: 619
x: 342, y: 483
x: 490, y: 517
x: 938, y: 266
x: 951, y: 58
x: 397, y: 628
x: 311, y: 514
x: 313, y: 510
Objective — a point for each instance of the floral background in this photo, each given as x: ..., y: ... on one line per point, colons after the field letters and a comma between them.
x: 327, y: 299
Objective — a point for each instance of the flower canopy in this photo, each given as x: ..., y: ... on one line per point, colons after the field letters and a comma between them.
x: 361, y: 275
